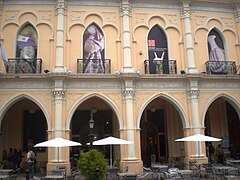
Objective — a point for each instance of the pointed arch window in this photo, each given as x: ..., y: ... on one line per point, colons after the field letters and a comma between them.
x: 26, y: 50
x: 216, y: 53
x: 157, y: 51
x: 93, y: 50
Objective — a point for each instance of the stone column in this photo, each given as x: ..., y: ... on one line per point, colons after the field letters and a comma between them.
x: 128, y: 96
x: 196, y: 125
x: 237, y: 19
x: 188, y: 36
x: 125, y: 13
x: 58, y: 98
x: 60, y: 12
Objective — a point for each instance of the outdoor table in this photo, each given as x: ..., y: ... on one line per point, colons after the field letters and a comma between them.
x: 3, y: 176
x: 54, y: 177
x: 185, y: 172
x: 123, y: 175
x: 5, y: 171
x: 159, y: 167
x: 223, y: 169
x: 234, y: 161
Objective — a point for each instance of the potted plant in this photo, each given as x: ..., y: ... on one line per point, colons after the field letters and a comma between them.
x: 90, y: 162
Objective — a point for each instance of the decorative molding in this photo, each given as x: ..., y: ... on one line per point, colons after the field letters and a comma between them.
x: 237, y: 14
x: 128, y: 94
x: 140, y: 18
x: 185, y: 12
x: 125, y: 9
x: 227, y: 21
x: 160, y: 85
x: 172, y: 18
x: 61, y: 7
x: 110, y: 17
x: 193, y: 94
x: 45, y: 15
x: 200, y: 20
x: 77, y: 16
x: 58, y: 95
x: 10, y: 15
x: 94, y: 85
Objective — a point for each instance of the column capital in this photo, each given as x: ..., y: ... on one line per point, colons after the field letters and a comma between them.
x: 237, y: 13
x: 58, y: 95
x: 185, y: 12
x: 61, y: 7
x: 128, y: 94
x: 193, y: 94
x: 125, y: 8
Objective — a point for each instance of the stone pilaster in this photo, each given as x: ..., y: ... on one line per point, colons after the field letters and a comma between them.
x: 186, y: 16
x: 60, y: 12
x: 125, y: 12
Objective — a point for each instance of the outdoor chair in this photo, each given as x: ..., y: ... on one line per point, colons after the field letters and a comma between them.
x: 12, y: 177
x: 145, y: 176
x: 37, y: 178
x: 173, y: 172
x: 232, y: 174
x: 130, y: 177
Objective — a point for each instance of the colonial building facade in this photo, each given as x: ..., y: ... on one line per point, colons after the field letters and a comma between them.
x: 145, y: 71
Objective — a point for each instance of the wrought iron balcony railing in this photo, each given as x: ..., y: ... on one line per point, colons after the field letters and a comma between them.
x: 160, y: 67
x: 102, y: 66
x: 221, y: 67
x: 28, y: 66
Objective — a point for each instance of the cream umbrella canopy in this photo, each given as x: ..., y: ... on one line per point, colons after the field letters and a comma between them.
x: 199, y: 138
x: 111, y: 141
x: 57, y: 143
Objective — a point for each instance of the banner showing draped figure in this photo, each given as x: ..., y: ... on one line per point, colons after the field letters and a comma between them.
x: 217, y: 59
x: 93, y: 50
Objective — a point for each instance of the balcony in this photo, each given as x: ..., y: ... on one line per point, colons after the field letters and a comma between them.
x: 221, y: 67
x: 24, y: 66
x: 102, y: 66
x: 160, y: 67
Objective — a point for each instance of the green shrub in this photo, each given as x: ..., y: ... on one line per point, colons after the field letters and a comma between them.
x: 90, y: 161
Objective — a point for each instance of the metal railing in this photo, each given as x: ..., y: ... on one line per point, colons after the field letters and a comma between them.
x: 160, y: 67
x: 102, y: 66
x: 221, y: 67
x: 24, y: 66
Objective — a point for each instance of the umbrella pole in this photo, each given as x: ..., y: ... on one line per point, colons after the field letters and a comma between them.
x: 199, y: 149
x: 110, y: 156
x: 58, y: 155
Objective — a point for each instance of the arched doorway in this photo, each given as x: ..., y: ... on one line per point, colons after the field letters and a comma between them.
x: 105, y: 124
x: 161, y: 124
x: 23, y: 126
x: 222, y: 120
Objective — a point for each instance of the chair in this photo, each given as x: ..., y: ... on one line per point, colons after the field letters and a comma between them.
x: 12, y: 177
x: 145, y: 176
x: 16, y: 171
x: 232, y: 174
x: 71, y: 177
x: 37, y: 178
x: 173, y: 172
x: 130, y: 177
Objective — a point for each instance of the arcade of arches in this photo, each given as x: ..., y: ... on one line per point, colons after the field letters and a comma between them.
x: 25, y: 124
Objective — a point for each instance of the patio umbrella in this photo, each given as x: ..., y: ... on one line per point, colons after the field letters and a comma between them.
x: 58, y: 142
x: 111, y: 141
x: 199, y: 138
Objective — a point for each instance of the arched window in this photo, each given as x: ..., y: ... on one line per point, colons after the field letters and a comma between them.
x: 26, y: 51
x: 93, y: 50
x: 216, y: 53
x: 157, y: 51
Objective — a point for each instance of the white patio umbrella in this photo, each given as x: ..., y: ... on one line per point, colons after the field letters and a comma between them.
x: 111, y: 141
x: 57, y: 143
x: 199, y: 138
